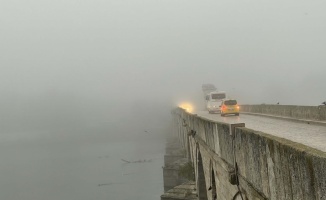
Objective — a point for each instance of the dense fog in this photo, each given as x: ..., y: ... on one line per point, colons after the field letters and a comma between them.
x: 85, y: 83
x: 64, y: 63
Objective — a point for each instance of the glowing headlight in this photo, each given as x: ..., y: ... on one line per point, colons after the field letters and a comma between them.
x: 187, y: 106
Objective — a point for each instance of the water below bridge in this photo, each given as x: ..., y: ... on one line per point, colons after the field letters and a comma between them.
x: 79, y: 165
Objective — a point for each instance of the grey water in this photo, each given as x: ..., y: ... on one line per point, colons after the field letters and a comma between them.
x: 80, y: 165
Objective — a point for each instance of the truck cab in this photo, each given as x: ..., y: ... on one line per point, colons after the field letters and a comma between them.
x: 213, y: 101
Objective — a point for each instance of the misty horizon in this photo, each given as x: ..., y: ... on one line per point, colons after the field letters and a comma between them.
x: 261, y: 52
x: 84, y: 84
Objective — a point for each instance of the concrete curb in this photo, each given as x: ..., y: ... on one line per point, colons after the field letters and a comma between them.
x: 305, y: 121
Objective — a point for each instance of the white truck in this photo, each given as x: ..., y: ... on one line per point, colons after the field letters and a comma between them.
x: 214, y: 100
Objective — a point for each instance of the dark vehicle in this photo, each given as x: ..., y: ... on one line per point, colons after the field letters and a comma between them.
x: 207, y: 88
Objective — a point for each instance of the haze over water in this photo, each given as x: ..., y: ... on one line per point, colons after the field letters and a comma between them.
x: 81, y: 81
x: 80, y: 166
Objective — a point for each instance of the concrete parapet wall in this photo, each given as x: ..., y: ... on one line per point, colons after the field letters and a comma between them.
x: 279, y: 168
x: 268, y: 167
x: 297, y: 112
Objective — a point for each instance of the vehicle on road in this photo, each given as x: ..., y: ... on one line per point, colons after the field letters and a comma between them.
x: 207, y: 88
x: 229, y: 106
x: 188, y: 107
x: 213, y: 101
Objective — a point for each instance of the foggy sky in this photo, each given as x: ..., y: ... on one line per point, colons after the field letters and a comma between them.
x: 124, y: 52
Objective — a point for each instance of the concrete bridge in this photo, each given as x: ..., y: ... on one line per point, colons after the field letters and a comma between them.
x: 283, y: 158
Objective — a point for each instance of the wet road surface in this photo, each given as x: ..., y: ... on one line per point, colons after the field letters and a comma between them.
x: 307, y: 134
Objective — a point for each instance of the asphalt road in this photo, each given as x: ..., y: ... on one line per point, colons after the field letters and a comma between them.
x: 307, y: 134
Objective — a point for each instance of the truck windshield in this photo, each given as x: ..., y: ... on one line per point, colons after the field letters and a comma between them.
x: 218, y: 96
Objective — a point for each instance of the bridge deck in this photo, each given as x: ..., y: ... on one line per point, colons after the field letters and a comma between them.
x: 308, y: 134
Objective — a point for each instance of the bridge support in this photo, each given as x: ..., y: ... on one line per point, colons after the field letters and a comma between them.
x: 245, y: 164
x: 200, y: 179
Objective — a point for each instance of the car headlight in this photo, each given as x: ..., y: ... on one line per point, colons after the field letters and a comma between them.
x: 187, y: 106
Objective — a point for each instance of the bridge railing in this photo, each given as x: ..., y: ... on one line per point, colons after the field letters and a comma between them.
x: 269, y: 167
x: 292, y: 111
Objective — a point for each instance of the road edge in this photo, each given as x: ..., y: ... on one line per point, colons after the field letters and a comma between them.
x: 305, y: 121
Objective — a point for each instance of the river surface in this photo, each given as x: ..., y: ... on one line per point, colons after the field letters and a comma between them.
x: 85, y: 165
